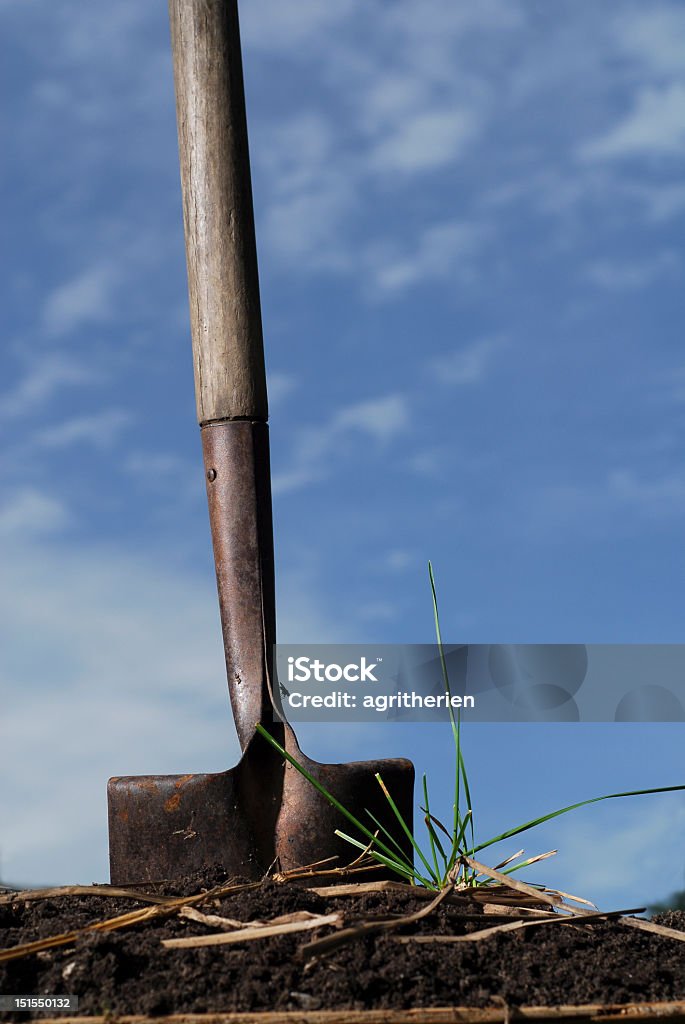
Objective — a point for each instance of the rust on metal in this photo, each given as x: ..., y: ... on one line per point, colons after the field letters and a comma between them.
x: 237, y: 464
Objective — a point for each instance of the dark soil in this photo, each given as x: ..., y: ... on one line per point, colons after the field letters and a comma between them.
x: 128, y: 971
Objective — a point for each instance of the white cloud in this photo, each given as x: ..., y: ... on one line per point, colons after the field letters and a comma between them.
x: 428, y: 462
x: 655, y: 127
x: 101, y: 430
x: 117, y: 30
x: 426, y: 141
x: 442, y: 251
x: 177, y: 484
x: 275, y: 25
x: 618, y: 275
x: 154, y: 465
x: 84, y: 299
x: 390, y: 97
x: 655, y: 36
x: 656, y: 498
x: 662, y: 202
x: 288, y: 480
x: 381, y: 419
x: 642, y: 846
x: 109, y: 666
x: 305, y: 615
x: 281, y: 385
x: 303, y: 229
x: 613, y: 505
x: 299, y: 152
x: 47, y: 375
x: 311, y: 192
x: 468, y: 364
x: 379, y: 117
x: 399, y: 559
x: 436, y: 20
x: 28, y: 512
x: 378, y: 611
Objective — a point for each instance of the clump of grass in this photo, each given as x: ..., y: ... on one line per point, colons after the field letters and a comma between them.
x: 448, y: 847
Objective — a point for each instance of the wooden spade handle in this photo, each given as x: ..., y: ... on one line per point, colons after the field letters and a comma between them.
x: 223, y: 283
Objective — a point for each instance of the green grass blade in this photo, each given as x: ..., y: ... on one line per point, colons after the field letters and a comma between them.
x: 467, y: 791
x: 436, y: 839
x: 573, y: 807
x: 401, y: 868
x: 322, y: 789
x: 382, y: 828
x: 440, y: 826
x: 405, y: 828
x: 462, y: 830
x: 525, y: 863
x: 446, y: 683
x: 430, y: 829
x: 429, y: 819
x: 458, y: 839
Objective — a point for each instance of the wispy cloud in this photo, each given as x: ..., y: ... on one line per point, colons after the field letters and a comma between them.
x: 654, y: 127
x: 28, y: 512
x: 654, y: 36
x: 441, y: 251
x: 661, y: 201
x: 378, y: 611
x: 45, y: 377
x: 659, y: 497
x: 620, y: 274
x: 418, y: 111
x: 381, y: 419
x: 401, y: 117
x: 86, y: 298
x: 428, y: 462
x: 469, y: 363
x: 303, y: 228
x: 426, y: 141
x: 121, y: 642
x: 281, y: 385
x: 275, y: 26
x: 641, y: 848
x: 154, y: 465
x: 100, y: 430
x: 621, y: 501
x: 399, y: 559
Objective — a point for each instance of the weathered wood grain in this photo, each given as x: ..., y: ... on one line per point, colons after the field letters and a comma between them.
x: 218, y: 215
x: 590, y: 1013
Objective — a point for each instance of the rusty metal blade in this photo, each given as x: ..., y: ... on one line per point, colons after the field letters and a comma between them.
x: 169, y: 826
x: 247, y: 818
x: 305, y: 829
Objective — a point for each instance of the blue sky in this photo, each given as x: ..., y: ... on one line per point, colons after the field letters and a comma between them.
x: 469, y: 221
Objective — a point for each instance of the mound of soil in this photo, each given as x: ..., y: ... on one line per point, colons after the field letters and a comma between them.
x: 128, y: 971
